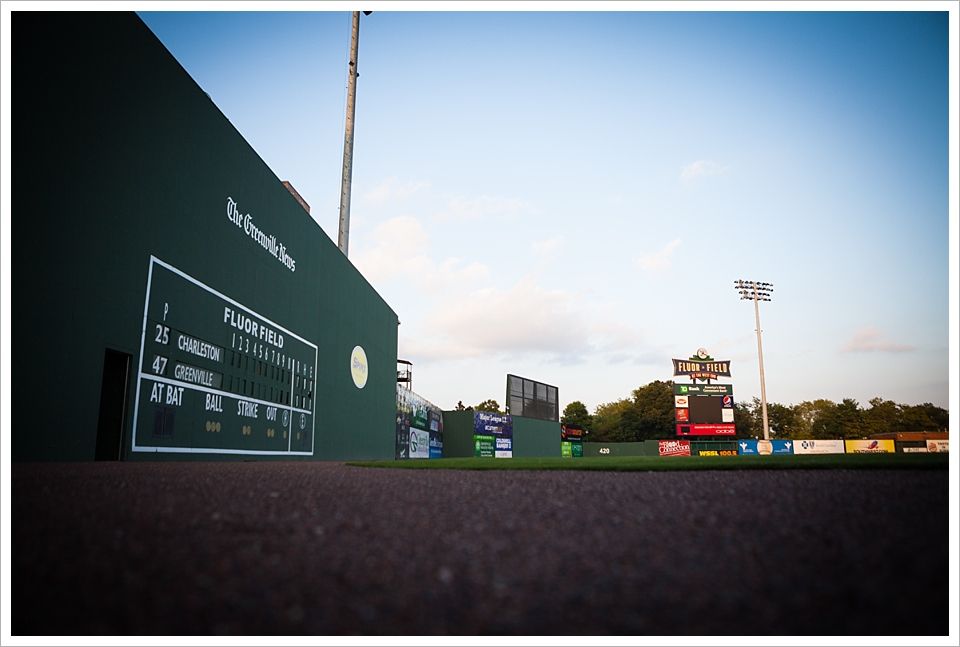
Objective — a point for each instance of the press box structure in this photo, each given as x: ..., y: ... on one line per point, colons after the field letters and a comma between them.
x: 171, y: 298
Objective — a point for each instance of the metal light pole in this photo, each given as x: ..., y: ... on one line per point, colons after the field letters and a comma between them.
x: 343, y: 237
x: 757, y: 292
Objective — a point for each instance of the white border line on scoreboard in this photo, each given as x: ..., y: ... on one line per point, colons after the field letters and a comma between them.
x: 143, y: 333
x: 220, y: 450
x: 140, y: 376
x: 207, y: 389
x: 313, y: 416
x: 184, y: 275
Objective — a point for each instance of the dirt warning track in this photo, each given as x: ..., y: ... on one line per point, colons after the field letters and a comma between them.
x: 327, y: 549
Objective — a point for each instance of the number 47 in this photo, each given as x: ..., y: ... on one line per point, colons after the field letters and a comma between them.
x: 159, y: 364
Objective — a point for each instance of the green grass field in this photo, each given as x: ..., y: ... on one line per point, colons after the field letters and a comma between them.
x: 657, y: 463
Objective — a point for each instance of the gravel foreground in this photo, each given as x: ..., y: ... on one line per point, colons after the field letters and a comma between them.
x: 264, y: 548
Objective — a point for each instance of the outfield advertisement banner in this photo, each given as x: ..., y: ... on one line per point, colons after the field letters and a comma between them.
x: 419, y: 443
x: 436, y: 446
x: 566, y: 451
x: 435, y: 418
x: 492, y: 435
x: 818, y: 447
x: 492, y: 424
x: 674, y: 447
x: 869, y: 446
x: 483, y: 446
x: 915, y: 450
x: 717, y: 452
x: 765, y: 447
x: 934, y: 446
x: 416, y: 412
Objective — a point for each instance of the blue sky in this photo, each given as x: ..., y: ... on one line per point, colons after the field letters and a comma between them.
x: 570, y: 196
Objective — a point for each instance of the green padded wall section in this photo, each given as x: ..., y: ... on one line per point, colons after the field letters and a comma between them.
x: 457, y: 434
x: 645, y: 448
x: 535, y: 438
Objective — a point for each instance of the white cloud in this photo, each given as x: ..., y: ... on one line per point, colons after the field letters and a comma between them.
x: 870, y: 340
x: 619, y: 343
x: 393, y: 190
x: 702, y: 168
x: 399, y: 251
x: 660, y: 259
x: 482, y: 207
x: 611, y: 335
x: 525, y: 319
x: 548, y: 247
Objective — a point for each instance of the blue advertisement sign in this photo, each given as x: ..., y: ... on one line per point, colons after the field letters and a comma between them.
x: 436, y: 445
x: 749, y: 447
x: 492, y: 424
x: 782, y: 446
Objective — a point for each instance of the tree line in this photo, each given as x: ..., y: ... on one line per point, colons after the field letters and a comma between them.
x: 491, y: 406
x: 649, y: 414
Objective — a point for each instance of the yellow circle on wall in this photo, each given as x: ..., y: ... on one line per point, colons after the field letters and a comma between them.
x: 358, y: 366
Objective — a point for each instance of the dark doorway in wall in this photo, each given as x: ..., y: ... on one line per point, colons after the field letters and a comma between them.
x: 113, y: 404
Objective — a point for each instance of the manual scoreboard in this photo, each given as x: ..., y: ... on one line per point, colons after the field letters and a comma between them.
x: 217, y: 377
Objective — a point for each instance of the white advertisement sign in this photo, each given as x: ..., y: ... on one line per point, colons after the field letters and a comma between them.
x: 419, y: 443
x: 726, y: 415
x: 818, y: 447
x: 934, y: 446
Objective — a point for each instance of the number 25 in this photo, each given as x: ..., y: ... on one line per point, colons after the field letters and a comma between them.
x: 163, y: 334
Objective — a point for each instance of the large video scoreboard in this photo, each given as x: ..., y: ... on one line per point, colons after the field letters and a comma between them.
x: 218, y: 377
x: 704, y: 409
x: 532, y: 399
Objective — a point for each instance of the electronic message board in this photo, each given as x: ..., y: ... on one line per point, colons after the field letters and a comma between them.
x: 217, y: 377
x: 706, y: 408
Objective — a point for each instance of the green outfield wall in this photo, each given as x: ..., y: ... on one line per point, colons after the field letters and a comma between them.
x: 457, y: 434
x: 170, y: 298
x: 643, y: 448
x: 531, y: 437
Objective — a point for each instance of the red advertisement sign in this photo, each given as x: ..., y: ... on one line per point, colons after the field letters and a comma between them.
x: 695, y: 429
x: 683, y: 415
x: 674, y: 447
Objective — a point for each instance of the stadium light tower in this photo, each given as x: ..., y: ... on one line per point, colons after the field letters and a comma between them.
x: 757, y: 292
x: 343, y: 236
